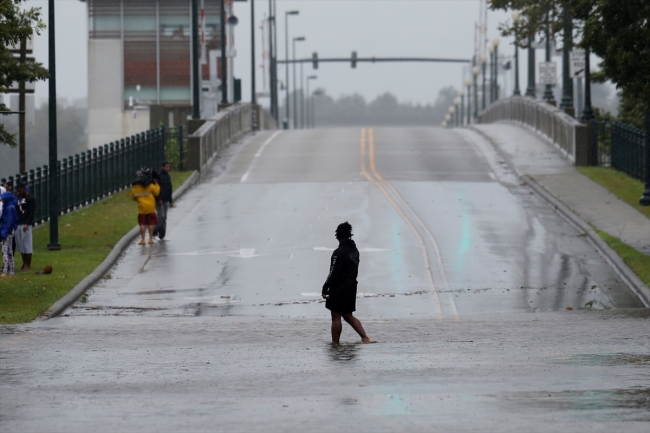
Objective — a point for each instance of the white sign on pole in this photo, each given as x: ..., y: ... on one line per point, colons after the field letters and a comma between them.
x: 578, y: 63
x: 548, y: 73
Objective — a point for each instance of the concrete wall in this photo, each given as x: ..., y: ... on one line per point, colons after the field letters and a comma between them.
x: 107, y: 121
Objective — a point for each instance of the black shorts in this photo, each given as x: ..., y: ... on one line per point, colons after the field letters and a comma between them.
x: 342, y: 301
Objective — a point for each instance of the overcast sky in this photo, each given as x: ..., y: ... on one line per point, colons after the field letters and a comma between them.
x: 333, y: 28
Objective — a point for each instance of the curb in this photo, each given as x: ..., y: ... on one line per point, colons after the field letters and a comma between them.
x: 631, y: 279
x: 77, y: 291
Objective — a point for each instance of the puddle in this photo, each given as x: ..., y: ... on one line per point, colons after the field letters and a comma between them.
x: 579, y: 401
x: 344, y: 352
x: 610, y: 359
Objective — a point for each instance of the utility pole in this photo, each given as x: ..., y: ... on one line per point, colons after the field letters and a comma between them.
x: 21, y: 108
x: 54, y: 168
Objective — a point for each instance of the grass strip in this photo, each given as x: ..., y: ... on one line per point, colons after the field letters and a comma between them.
x: 637, y: 261
x: 621, y: 185
x: 87, y: 236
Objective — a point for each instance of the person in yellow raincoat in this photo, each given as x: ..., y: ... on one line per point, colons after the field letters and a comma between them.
x: 144, y: 190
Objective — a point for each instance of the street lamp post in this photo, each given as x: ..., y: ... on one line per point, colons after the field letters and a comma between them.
x: 495, y: 68
x: 468, y: 83
x: 491, y: 67
x: 53, y: 150
x: 253, y: 95
x: 567, y: 82
x: 309, y: 102
x: 515, y: 18
x: 475, y: 72
x: 548, y: 91
x: 462, y: 107
x: 587, y: 111
x: 457, y: 110
x: 452, y: 116
x: 285, y: 123
x: 530, y: 88
x: 196, y: 95
x: 483, y: 66
x: 272, y: 77
x: 302, y: 98
x: 224, y: 59
x: 295, y: 96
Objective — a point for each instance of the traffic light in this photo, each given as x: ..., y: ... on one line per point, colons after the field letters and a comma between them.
x: 314, y: 60
x: 354, y: 59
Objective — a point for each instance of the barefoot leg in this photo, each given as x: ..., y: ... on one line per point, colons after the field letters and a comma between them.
x: 356, y: 324
x: 337, y: 327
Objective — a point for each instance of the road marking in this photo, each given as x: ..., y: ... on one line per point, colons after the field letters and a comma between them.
x: 423, y: 247
x: 441, y: 268
x: 257, y: 155
x: 244, y: 253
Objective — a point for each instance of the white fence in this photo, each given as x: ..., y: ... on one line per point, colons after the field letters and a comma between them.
x: 225, y: 127
x: 568, y: 134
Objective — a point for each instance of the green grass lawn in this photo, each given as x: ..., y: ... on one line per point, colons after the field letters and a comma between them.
x: 623, y: 186
x: 629, y: 190
x: 637, y: 261
x: 87, y: 236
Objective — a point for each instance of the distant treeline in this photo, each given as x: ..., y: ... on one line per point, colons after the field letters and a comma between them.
x: 354, y: 110
x: 72, y: 136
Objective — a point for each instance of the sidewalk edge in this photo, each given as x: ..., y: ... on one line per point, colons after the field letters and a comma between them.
x: 628, y: 275
x: 77, y: 291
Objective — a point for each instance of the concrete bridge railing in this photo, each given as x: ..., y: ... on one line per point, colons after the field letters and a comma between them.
x: 566, y: 133
x: 208, y: 137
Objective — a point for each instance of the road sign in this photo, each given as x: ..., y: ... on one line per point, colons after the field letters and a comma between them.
x: 548, y: 73
x: 578, y: 63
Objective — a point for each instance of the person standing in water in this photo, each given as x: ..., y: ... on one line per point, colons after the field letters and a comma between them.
x: 340, y: 288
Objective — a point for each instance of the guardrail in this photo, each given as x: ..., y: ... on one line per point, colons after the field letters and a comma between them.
x: 566, y: 133
x: 227, y: 126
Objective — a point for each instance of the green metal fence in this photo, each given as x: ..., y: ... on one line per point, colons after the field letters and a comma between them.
x: 627, y: 150
x: 92, y: 175
x: 617, y: 145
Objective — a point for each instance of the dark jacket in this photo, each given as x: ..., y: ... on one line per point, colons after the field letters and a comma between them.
x: 9, y: 219
x: 165, y: 183
x: 344, y: 267
x: 26, y: 210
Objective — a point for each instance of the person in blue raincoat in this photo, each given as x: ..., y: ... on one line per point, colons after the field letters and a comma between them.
x: 8, y: 224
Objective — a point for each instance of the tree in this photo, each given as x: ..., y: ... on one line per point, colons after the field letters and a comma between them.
x: 619, y: 33
x: 535, y: 15
x: 17, y: 25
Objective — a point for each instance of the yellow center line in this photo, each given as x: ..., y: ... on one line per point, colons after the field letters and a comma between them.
x: 441, y: 269
x: 423, y: 248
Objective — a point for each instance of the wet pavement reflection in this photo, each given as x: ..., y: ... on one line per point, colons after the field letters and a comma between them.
x: 492, y: 313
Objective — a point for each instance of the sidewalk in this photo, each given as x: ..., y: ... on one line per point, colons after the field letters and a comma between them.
x: 533, y: 156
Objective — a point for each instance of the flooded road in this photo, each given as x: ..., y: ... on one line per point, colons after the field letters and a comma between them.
x: 491, y: 311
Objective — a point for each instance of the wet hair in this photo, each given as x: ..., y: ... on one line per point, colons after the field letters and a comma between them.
x: 344, y: 231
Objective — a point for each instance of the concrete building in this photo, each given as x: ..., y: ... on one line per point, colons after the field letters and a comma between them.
x: 139, y: 63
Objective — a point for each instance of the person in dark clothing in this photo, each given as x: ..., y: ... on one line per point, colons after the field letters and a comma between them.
x: 165, y: 200
x: 26, y: 207
x: 340, y: 288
